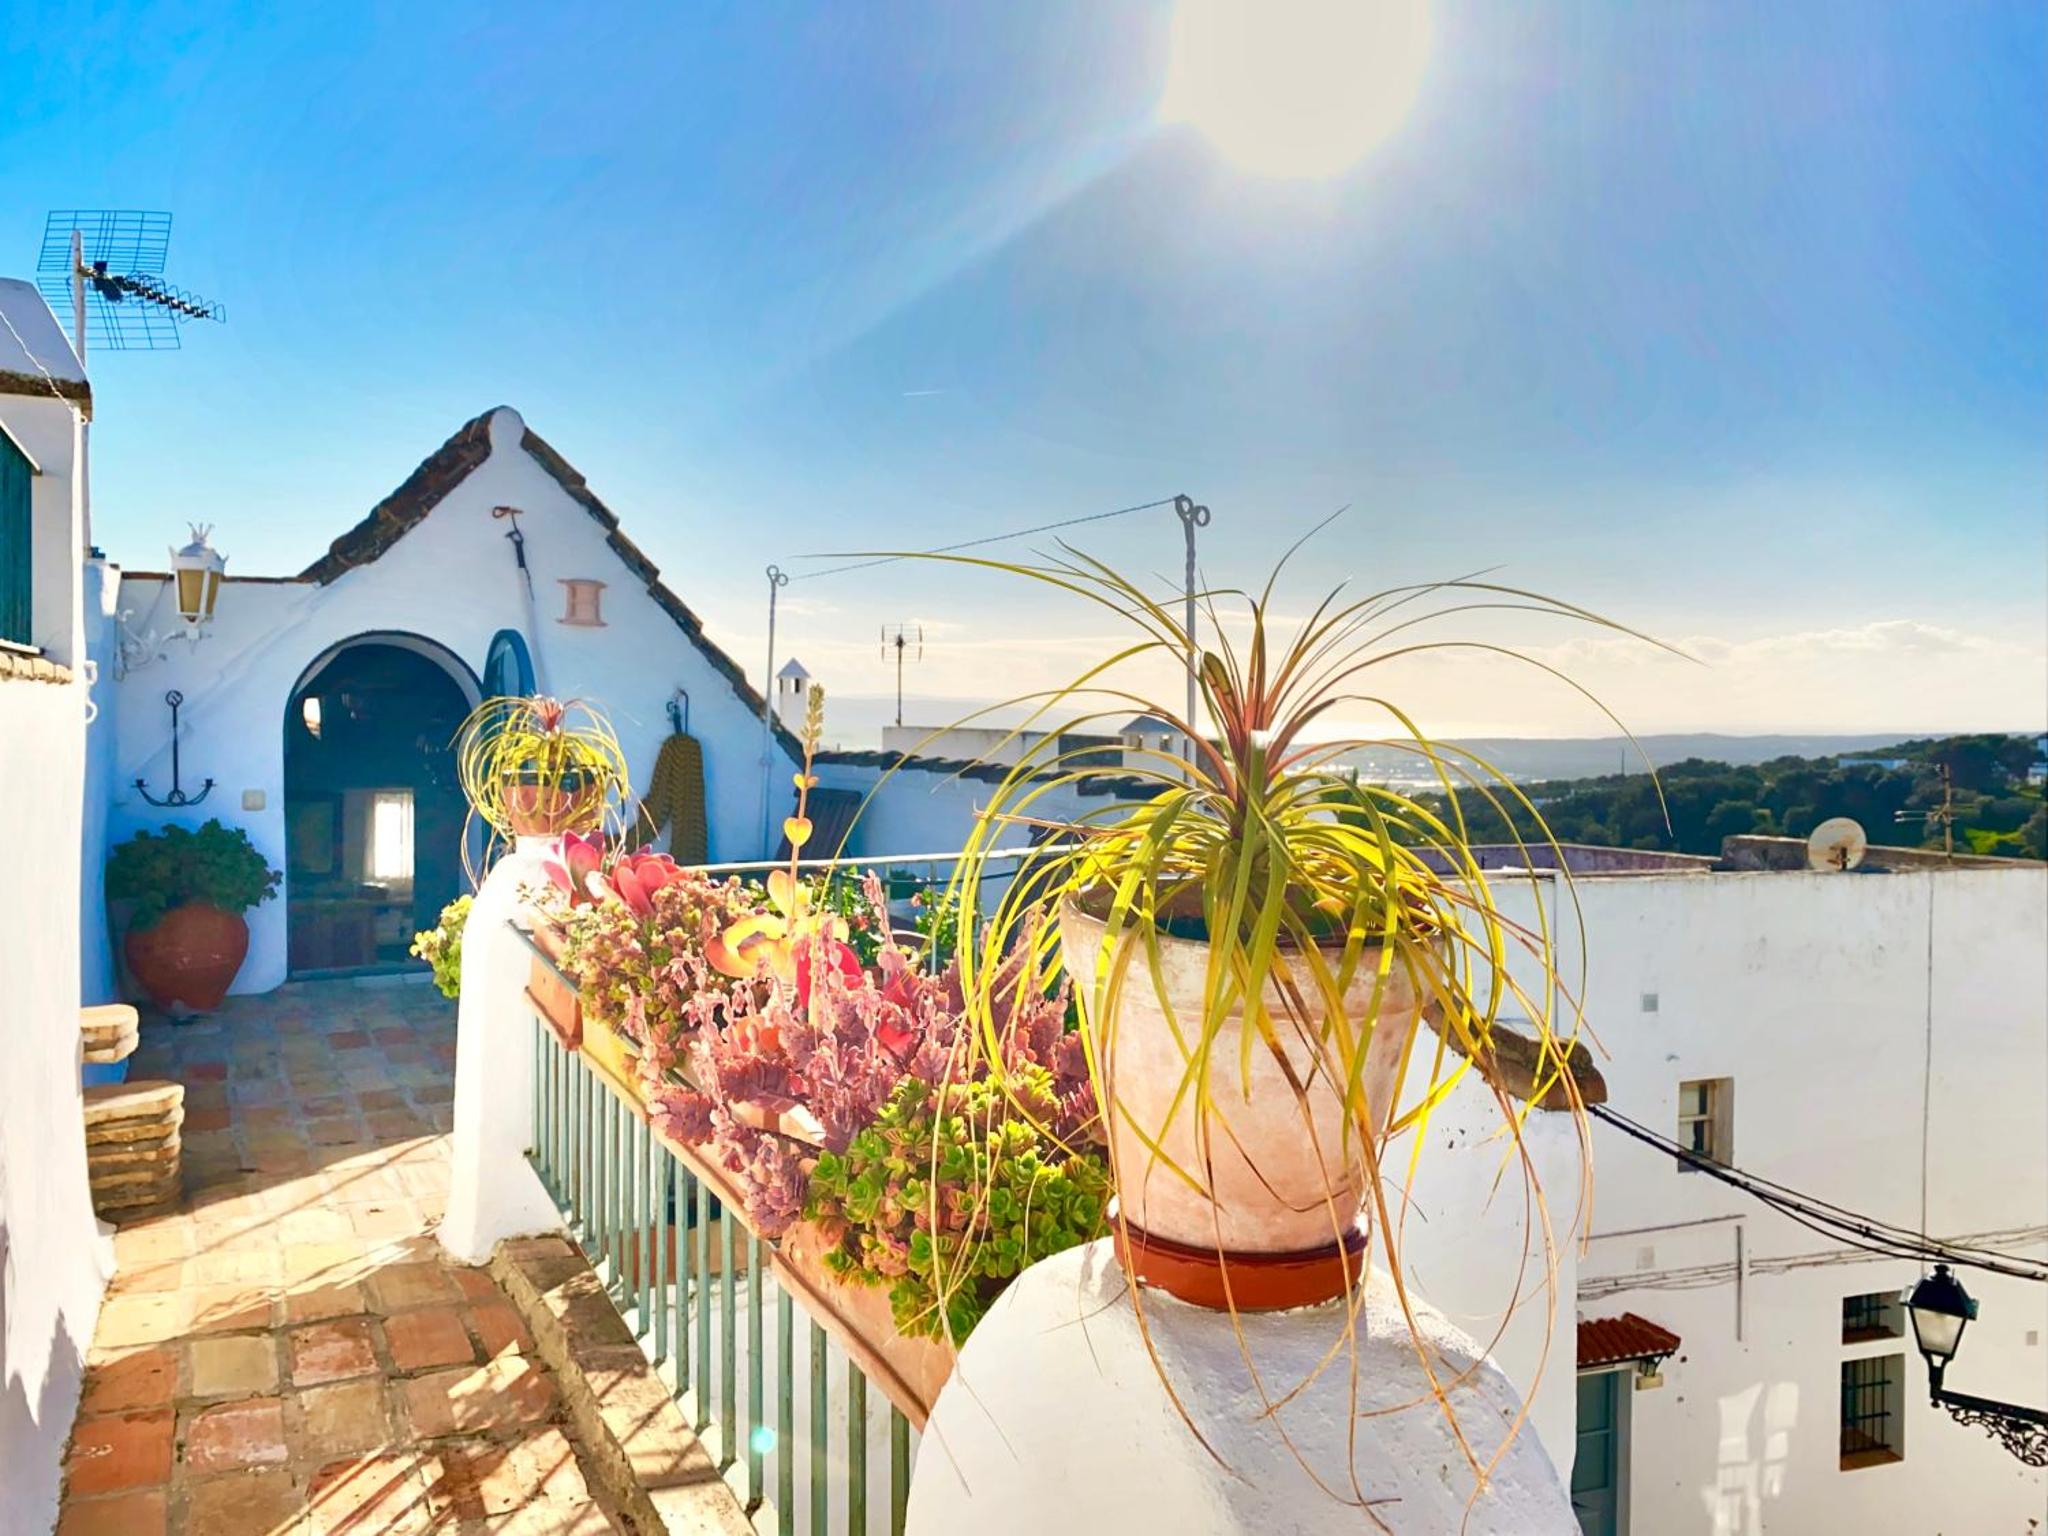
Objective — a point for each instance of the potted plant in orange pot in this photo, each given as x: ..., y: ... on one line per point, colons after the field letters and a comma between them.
x: 539, y: 767
x: 187, y: 891
x: 1255, y: 934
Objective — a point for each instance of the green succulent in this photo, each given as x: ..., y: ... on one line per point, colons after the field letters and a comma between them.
x: 953, y: 1191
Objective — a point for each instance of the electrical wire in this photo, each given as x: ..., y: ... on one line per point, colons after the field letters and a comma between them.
x: 1838, y: 1222
x: 993, y: 538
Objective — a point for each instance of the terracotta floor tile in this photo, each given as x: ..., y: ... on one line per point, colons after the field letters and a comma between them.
x: 232, y: 1365
x: 318, y: 1301
x: 141, y: 1319
x: 143, y: 1512
x: 347, y: 1418
x: 266, y: 1503
x: 144, y: 1377
x: 504, y: 1394
x: 229, y: 1308
x: 362, y: 1495
x: 499, y: 1329
x: 233, y: 1436
x: 432, y: 1336
x: 399, y: 1287
x: 119, y: 1452
x: 331, y: 1351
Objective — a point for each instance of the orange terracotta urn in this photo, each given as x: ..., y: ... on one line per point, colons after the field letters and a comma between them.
x: 188, y: 958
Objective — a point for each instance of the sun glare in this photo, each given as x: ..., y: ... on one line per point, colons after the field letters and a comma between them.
x: 1296, y: 88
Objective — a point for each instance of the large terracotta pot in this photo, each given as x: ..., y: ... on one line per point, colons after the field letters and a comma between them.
x: 1283, y: 1175
x: 187, y: 958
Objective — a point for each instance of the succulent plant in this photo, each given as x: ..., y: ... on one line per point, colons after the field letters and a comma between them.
x: 951, y: 1193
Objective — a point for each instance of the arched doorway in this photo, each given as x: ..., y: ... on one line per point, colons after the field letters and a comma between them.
x: 374, y: 816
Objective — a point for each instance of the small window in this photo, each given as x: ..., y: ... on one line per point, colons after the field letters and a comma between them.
x: 17, y: 591
x: 1872, y: 1424
x: 1871, y: 1316
x: 582, y: 599
x: 1706, y: 1124
x: 390, y: 850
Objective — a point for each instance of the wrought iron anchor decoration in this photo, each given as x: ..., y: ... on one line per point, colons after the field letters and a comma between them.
x: 177, y: 796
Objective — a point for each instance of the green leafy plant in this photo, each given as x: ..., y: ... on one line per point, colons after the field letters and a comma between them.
x: 216, y: 864
x: 951, y: 1192
x: 541, y: 762
x: 441, y: 946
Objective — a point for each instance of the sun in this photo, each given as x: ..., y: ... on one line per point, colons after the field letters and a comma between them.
x: 1295, y: 88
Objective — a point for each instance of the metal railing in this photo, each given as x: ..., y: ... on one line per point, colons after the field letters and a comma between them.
x: 698, y: 1289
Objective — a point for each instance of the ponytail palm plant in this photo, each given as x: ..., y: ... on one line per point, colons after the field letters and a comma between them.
x: 1268, y: 913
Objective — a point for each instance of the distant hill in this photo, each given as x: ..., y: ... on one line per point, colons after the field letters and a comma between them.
x: 1526, y: 759
x: 1893, y: 788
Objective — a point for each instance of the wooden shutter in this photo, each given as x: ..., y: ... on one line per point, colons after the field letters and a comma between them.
x: 17, y: 611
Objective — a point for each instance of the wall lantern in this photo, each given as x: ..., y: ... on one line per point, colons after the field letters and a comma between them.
x: 1941, y: 1309
x: 197, y: 570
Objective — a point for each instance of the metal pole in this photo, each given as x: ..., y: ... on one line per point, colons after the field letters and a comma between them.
x: 84, y: 425
x: 1192, y: 516
x: 776, y: 582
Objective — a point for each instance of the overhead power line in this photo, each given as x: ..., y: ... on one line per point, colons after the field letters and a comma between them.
x: 993, y: 538
x: 1834, y: 1221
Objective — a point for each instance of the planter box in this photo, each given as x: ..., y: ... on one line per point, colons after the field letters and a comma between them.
x: 909, y: 1372
x: 552, y: 994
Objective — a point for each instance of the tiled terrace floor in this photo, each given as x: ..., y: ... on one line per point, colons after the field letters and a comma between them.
x: 291, y: 1353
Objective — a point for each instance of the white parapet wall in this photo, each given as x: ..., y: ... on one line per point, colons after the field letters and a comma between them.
x: 54, y: 1264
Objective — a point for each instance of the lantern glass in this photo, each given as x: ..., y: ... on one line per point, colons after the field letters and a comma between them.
x: 1940, y: 1309
x: 198, y: 568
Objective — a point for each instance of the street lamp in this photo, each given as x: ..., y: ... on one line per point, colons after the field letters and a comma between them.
x: 1941, y: 1309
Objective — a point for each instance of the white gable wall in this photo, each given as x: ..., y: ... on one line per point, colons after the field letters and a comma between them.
x: 450, y: 579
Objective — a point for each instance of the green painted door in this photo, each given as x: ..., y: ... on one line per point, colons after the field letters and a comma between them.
x: 1597, y: 1464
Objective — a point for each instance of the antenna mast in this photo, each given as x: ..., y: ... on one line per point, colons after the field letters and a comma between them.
x: 900, y: 638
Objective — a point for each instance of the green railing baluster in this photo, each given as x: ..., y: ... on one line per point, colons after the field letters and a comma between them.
x: 685, y: 1183
x: 664, y: 1185
x: 643, y: 1170
x: 756, y: 1409
x: 703, y: 1413
x: 856, y: 1451
x: 899, y: 1470
x: 728, y: 1334
x: 821, y: 1427
x: 785, y: 1414
x: 533, y: 1125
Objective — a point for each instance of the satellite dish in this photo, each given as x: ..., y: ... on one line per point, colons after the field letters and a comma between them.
x: 1837, y: 843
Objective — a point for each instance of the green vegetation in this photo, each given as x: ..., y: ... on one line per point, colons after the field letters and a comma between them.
x: 161, y: 870
x: 1997, y: 810
x: 441, y: 946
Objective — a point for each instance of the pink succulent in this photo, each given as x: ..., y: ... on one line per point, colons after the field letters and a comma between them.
x: 575, y: 858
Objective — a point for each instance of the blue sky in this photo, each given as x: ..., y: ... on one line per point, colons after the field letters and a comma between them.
x: 1729, y: 319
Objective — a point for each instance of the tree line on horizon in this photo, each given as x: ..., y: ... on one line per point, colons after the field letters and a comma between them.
x: 1995, y: 781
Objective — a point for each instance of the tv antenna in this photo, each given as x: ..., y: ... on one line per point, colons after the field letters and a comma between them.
x: 1944, y: 814
x: 1837, y: 843
x: 106, y: 266
x: 900, y: 638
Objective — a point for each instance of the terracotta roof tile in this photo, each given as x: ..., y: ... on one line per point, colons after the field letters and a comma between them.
x: 1611, y: 1340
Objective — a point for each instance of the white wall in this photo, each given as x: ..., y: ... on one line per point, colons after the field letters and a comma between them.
x: 101, y: 589
x: 1815, y: 994
x: 53, y: 1264
x: 452, y: 580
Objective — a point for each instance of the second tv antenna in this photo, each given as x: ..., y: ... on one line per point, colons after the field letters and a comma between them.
x: 901, y: 638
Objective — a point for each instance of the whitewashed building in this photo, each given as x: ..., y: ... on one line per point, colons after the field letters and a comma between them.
x: 1877, y: 1040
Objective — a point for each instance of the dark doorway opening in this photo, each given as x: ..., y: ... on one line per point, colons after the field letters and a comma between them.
x: 374, y: 816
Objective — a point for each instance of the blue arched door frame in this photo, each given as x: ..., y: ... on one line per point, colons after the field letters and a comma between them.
x: 508, y: 666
